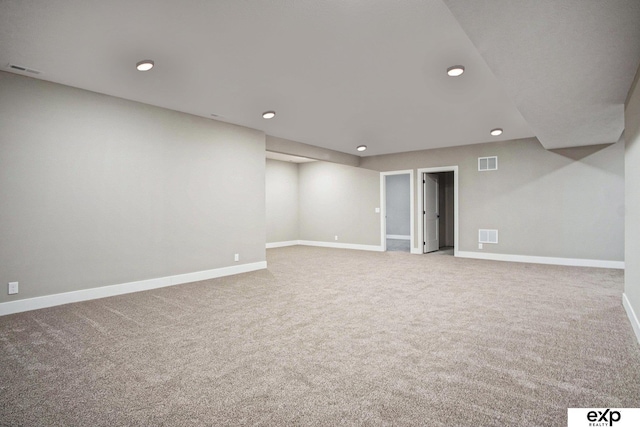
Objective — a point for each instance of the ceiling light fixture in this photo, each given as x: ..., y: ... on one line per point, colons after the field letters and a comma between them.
x: 268, y: 115
x: 455, y: 70
x: 145, y: 65
x: 361, y: 147
x: 496, y: 132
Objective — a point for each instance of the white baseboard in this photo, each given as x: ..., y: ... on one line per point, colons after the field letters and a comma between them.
x: 358, y: 247
x: 575, y: 262
x: 416, y: 251
x: 398, y: 237
x: 373, y: 248
x: 635, y: 323
x: 283, y: 244
x: 28, y: 304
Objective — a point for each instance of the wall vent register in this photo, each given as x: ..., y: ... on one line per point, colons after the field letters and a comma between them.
x: 488, y: 163
x: 488, y: 236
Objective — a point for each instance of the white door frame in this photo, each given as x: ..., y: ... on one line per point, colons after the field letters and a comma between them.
x: 383, y: 206
x: 456, y: 205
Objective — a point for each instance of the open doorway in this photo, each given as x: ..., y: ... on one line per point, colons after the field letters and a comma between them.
x: 397, y: 202
x: 438, y: 209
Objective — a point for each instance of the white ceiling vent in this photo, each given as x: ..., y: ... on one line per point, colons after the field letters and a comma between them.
x: 488, y: 163
x: 25, y: 69
x: 487, y: 236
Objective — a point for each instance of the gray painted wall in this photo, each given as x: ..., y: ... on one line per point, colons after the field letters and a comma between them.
x: 632, y: 192
x: 398, y: 204
x: 97, y: 190
x: 567, y: 204
x: 282, y: 201
x: 339, y: 200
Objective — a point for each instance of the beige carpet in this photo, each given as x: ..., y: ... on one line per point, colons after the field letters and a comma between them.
x: 330, y: 337
x: 397, y: 245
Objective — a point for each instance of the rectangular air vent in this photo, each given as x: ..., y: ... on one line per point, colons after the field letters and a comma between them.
x: 488, y: 236
x: 488, y: 163
x: 25, y: 69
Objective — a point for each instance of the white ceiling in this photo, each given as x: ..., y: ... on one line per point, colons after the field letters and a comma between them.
x: 344, y: 73
x: 568, y: 65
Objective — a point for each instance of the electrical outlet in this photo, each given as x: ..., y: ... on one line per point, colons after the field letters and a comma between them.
x: 336, y: 237
x: 479, y: 245
x: 377, y: 210
x: 236, y: 257
x: 13, y: 288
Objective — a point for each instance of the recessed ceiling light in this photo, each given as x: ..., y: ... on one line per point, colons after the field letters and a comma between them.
x: 268, y: 115
x: 145, y: 65
x: 455, y: 71
x: 496, y: 132
x: 361, y: 147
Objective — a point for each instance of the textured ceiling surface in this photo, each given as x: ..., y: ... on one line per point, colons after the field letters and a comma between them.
x: 340, y: 74
x: 567, y: 65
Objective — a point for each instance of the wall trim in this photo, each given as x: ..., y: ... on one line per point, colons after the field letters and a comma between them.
x: 398, y: 237
x: 283, y: 244
x: 635, y: 323
x: 374, y: 248
x: 36, y: 303
x: 575, y: 262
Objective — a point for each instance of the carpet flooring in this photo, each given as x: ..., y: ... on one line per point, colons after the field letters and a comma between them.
x: 397, y: 245
x: 330, y: 337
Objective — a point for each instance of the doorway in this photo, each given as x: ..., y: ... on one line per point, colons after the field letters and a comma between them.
x: 397, y: 228
x: 438, y: 210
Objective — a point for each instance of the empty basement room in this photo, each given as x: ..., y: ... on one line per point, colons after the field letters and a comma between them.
x: 418, y: 213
